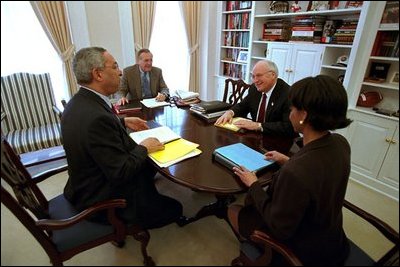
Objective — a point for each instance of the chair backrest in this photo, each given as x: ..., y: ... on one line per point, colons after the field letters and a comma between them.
x: 27, y: 101
x: 234, y: 91
x: 60, y: 229
x: 17, y: 177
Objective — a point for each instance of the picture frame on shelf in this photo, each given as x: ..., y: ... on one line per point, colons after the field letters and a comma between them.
x: 395, y: 78
x: 242, y: 57
x: 378, y: 72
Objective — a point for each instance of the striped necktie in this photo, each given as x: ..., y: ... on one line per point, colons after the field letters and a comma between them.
x: 146, y: 93
x: 261, y: 110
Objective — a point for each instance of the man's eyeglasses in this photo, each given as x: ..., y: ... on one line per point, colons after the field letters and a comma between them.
x: 114, y: 66
x: 259, y: 75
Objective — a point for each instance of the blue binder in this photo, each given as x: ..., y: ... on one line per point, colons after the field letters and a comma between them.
x: 241, y: 155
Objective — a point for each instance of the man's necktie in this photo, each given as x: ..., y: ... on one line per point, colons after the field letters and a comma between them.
x: 261, y: 110
x: 146, y: 86
x: 114, y: 109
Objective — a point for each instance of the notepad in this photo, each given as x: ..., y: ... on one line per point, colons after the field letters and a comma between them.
x: 174, y: 150
x: 238, y: 154
x: 230, y: 125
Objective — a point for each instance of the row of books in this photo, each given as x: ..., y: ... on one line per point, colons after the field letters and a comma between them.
x: 240, y: 39
x: 386, y: 44
x: 234, y: 70
x: 232, y: 54
x: 311, y: 29
x: 237, y: 5
x: 238, y: 21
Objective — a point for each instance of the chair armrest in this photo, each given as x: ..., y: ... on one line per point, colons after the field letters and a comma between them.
x: 110, y: 205
x: 264, y: 239
x: 383, y: 227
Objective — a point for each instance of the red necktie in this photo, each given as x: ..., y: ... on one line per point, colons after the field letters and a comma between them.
x: 114, y: 109
x: 261, y: 110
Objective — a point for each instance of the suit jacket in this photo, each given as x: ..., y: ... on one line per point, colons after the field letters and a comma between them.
x: 303, y: 207
x: 131, y: 83
x: 277, y: 113
x: 103, y: 161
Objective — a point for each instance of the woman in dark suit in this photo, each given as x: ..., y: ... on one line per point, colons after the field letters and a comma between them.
x: 103, y: 161
x: 303, y: 206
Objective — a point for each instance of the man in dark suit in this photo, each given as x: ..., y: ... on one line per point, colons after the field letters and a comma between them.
x: 103, y: 161
x: 142, y: 80
x: 267, y: 102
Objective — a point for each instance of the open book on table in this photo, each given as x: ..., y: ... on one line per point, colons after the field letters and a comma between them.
x: 153, y: 103
x: 238, y: 154
x: 175, y: 150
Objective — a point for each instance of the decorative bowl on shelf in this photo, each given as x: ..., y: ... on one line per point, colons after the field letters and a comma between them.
x: 277, y: 7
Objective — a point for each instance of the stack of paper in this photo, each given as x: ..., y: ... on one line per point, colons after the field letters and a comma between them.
x: 174, y: 152
x: 153, y: 103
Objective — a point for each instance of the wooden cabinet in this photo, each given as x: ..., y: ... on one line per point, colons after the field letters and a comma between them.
x: 295, y: 61
x: 374, y: 152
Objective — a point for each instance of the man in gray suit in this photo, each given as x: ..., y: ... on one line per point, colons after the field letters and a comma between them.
x: 142, y: 80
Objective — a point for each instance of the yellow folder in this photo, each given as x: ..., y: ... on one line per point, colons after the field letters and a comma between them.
x: 174, y: 150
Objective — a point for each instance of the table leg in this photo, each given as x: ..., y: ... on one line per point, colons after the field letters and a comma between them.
x: 218, y: 208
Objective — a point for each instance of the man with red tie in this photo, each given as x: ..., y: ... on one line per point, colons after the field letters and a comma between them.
x: 267, y: 102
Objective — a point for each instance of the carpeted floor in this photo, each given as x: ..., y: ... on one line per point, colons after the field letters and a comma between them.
x: 206, y: 242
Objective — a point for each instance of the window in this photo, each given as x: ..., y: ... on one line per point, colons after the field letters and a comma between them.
x: 169, y: 45
x: 26, y: 48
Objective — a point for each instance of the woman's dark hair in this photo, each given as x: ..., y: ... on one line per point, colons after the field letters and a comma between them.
x: 324, y: 99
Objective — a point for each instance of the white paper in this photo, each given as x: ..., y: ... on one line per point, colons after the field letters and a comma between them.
x: 153, y: 103
x: 164, y: 134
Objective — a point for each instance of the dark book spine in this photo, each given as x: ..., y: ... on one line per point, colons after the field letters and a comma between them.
x: 224, y: 161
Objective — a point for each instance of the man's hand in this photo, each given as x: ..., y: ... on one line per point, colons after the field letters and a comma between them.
x: 226, y: 117
x: 122, y: 101
x: 152, y: 144
x: 135, y: 124
x: 247, y: 124
x: 161, y: 97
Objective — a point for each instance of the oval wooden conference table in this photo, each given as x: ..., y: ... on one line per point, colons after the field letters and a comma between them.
x: 201, y: 173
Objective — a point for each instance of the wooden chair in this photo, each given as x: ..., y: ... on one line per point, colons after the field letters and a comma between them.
x: 258, y: 253
x: 61, y: 230
x: 234, y: 91
x: 28, y: 118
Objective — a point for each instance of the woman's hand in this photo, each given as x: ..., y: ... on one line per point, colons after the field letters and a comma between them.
x: 277, y: 157
x: 247, y: 177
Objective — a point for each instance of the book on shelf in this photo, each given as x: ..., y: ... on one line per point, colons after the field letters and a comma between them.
x: 129, y: 107
x: 238, y: 154
x: 231, y: 125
